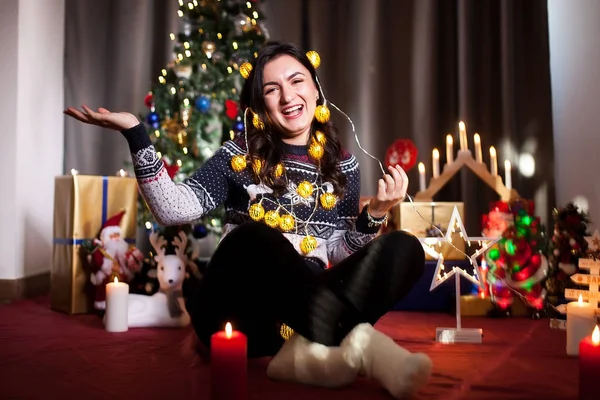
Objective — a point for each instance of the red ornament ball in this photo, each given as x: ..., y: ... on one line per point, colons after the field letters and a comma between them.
x: 149, y: 100
x: 402, y: 152
x: 231, y: 109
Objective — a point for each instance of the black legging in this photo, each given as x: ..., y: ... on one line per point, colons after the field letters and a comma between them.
x: 257, y: 280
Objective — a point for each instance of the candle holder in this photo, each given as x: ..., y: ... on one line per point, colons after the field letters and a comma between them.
x: 464, y: 159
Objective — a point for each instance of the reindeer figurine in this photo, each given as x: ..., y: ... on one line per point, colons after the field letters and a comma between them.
x: 166, y: 308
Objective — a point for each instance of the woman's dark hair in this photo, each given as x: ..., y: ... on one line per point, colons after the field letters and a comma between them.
x: 267, y: 145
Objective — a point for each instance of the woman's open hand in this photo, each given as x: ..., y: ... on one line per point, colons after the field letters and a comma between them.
x: 391, y: 190
x: 118, y: 121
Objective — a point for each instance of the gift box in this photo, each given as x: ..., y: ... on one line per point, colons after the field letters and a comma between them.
x: 82, y: 204
x: 437, y: 213
x: 475, y: 306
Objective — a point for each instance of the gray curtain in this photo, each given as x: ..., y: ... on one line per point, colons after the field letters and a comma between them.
x: 399, y: 68
x: 414, y: 68
x: 114, y: 50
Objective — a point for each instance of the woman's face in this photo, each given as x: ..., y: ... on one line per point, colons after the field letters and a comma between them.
x: 290, y: 98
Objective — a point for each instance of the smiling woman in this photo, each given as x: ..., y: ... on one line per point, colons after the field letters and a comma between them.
x: 298, y: 254
x: 290, y: 98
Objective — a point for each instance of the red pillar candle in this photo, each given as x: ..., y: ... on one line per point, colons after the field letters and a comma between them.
x: 228, y: 365
x: 589, y: 366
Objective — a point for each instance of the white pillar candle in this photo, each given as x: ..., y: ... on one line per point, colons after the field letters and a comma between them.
x: 507, y: 174
x: 477, y: 143
x: 117, y: 296
x: 493, y: 161
x: 449, y: 149
x: 422, y: 177
x: 462, y: 135
x: 580, y: 324
x: 436, y: 163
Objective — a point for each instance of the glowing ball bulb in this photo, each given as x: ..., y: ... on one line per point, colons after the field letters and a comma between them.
x: 245, y: 70
x: 272, y: 219
x: 257, y: 122
x: 314, y: 58
x: 315, y: 150
x: 278, y: 170
x: 308, y: 244
x: 256, y: 211
x: 304, y: 189
x: 322, y: 114
x: 256, y: 166
x: 328, y: 201
x: 286, y: 223
x: 320, y: 137
x: 238, y: 163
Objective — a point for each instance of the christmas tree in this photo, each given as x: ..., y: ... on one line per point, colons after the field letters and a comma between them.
x: 568, y: 244
x: 193, y: 107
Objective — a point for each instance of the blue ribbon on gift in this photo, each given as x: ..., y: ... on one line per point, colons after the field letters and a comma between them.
x: 72, y: 241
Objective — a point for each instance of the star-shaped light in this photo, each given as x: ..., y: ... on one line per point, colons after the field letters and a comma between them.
x: 294, y: 198
x: 485, y: 243
x: 594, y: 241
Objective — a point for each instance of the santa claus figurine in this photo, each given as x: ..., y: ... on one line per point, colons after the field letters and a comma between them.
x: 112, y: 257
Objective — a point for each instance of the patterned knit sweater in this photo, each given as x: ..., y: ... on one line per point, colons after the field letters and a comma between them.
x: 339, y: 231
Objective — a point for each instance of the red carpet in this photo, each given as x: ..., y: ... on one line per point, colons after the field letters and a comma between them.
x: 48, y: 355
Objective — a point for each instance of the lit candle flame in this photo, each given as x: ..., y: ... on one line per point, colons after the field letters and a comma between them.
x: 596, y: 336
x: 228, y: 330
x: 74, y: 171
x: 580, y: 301
x: 482, y: 295
x: 122, y: 173
x: 116, y: 280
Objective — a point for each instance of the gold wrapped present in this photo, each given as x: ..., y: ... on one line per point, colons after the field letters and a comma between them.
x: 82, y: 204
x: 475, y: 306
x: 438, y: 213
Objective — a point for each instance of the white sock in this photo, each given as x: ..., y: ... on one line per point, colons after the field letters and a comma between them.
x: 399, y: 371
x: 302, y: 361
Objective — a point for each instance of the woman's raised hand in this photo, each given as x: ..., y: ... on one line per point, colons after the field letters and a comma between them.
x: 118, y: 121
x: 391, y: 190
